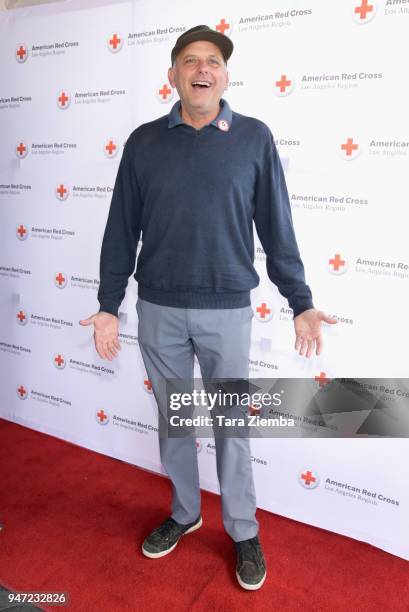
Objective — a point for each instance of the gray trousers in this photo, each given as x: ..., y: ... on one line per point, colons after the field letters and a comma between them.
x: 168, y: 338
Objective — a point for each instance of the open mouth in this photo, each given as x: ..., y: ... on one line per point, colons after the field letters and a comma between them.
x: 201, y: 84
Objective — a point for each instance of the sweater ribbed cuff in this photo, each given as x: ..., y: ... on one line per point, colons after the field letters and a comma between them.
x: 109, y: 308
x: 299, y: 306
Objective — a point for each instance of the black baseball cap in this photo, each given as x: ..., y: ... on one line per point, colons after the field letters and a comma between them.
x: 203, y: 32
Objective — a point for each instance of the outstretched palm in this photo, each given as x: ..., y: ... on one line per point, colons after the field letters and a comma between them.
x: 308, y: 331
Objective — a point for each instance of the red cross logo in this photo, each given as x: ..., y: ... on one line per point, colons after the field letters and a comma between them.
x: 322, y: 380
x: 114, y: 42
x: 63, y: 100
x: 21, y: 316
x: 59, y: 361
x: 165, y: 91
x: 222, y: 27
x: 253, y: 410
x: 263, y: 310
x: 284, y: 86
x: 349, y: 147
x: 363, y: 9
x: 283, y: 83
x: 111, y: 149
x: 21, y: 230
x: 21, y: 150
x: 147, y: 385
x: 336, y: 262
x: 62, y: 192
x: 102, y: 417
x: 60, y: 280
x: 308, y: 478
x: 22, y: 392
x: 21, y: 52
x: 164, y: 94
x: 22, y: 233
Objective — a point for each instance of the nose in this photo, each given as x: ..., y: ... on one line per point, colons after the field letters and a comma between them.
x: 202, y: 65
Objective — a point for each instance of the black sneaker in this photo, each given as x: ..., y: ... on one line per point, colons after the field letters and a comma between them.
x: 251, y: 565
x: 164, y: 538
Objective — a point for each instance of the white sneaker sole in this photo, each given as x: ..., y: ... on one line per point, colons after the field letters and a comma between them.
x: 250, y: 587
x: 169, y: 550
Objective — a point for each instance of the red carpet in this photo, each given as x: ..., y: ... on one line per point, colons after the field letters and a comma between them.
x: 74, y: 521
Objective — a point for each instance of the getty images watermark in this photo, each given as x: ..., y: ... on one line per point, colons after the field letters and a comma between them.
x: 222, y: 404
x: 284, y: 407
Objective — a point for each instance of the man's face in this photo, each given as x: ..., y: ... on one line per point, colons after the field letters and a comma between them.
x: 200, y: 76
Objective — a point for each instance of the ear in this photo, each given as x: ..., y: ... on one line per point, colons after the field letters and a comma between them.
x: 227, y: 81
x: 171, y: 77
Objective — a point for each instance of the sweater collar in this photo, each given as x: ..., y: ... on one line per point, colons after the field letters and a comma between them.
x: 222, y: 121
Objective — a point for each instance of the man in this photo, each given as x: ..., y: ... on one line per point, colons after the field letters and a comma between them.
x: 192, y: 182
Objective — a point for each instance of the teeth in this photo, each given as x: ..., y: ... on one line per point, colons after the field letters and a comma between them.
x: 201, y: 83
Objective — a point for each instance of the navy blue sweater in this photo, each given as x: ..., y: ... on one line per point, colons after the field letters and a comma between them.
x: 194, y: 195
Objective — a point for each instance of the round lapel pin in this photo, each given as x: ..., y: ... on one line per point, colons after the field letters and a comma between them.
x: 223, y: 125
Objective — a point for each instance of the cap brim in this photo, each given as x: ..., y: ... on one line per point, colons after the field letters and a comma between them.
x: 220, y: 40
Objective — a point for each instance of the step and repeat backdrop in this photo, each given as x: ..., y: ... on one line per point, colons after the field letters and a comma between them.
x: 327, y: 79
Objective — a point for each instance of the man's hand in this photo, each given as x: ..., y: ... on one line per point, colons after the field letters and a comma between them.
x: 105, y: 334
x: 308, y: 331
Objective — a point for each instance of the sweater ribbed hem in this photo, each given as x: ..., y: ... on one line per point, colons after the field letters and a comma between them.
x: 191, y: 299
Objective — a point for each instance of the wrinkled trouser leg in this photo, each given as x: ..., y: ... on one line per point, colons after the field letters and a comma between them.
x: 168, y: 339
